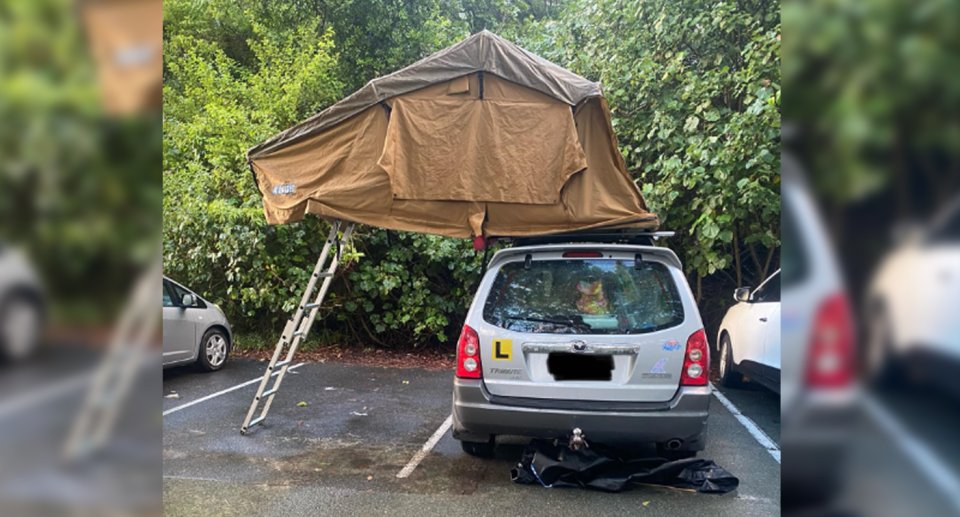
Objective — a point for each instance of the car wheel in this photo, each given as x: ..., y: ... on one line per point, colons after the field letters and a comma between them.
x: 480, y: 449
x: 728, y: 377
x: 214, y: 349
x: 21, y: 319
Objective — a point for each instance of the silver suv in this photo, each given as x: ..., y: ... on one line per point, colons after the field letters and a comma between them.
x: 602, y: 337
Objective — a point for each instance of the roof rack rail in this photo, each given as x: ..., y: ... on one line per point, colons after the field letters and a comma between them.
x: 601, y: 236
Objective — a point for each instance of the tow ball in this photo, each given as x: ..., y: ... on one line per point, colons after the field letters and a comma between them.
x: 578, y: 440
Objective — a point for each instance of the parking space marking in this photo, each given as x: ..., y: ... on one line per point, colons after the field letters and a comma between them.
x: 427, y: 447
x: 925, y: 459
x: 33, y: 399
x: 224, y: 392
x: 751, y: 426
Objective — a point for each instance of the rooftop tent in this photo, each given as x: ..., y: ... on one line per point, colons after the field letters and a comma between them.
x: 481, y: 138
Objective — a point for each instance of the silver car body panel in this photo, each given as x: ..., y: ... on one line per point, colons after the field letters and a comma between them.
x: 184, y: 327
x: 525, y: 374
x: 519, y: 396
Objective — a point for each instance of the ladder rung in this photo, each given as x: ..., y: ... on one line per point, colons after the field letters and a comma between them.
x: 324, y: 275
x: 269, y: 392
x: 280, y: 364
x: 256, y: 421
x: 311, y: 306
x: 299, y: 333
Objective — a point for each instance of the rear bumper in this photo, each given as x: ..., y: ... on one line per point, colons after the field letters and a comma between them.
x: 476, y: 417
x: 815, y: 435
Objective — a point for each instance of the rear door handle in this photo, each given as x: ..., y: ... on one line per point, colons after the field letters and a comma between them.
x: 763, y: 320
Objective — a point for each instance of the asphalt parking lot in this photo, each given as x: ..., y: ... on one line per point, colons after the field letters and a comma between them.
x: 340, y: 453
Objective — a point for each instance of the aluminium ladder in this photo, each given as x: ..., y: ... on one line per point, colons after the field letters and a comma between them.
x: 114, y: 376
x: 297, y: 328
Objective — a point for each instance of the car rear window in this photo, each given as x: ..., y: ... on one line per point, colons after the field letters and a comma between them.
x: 602, y: 296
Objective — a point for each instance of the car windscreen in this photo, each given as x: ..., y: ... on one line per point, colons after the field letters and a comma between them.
x: 602, y: 296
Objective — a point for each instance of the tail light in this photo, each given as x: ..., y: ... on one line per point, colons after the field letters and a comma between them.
x: 696, y: 361
x: 830, y: 360
x: 583, y: 254
x: 468, y: 354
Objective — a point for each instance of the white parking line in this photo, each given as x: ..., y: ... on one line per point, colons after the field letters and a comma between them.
x: 228, y: 390
x: 35, y: 398
x: 751, y: 426
x: 427, y: 447
x: 925, y: 459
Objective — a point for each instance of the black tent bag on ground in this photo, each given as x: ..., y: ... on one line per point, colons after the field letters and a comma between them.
x: 612, y: 470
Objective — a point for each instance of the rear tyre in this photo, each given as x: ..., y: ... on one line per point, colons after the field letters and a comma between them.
x: 214, y: 349
x: 479, y: 449
x: 728, y: 377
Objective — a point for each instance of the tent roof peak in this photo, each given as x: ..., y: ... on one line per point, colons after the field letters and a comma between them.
x: 483, y: 51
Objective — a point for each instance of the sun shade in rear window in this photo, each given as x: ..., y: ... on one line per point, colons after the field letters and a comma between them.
x: 603, y: 296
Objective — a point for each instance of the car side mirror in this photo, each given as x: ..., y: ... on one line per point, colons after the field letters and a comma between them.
x: 188, y: 300
x: 742, y: 294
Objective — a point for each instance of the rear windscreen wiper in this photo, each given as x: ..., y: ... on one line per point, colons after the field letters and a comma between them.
x: 569, y: 322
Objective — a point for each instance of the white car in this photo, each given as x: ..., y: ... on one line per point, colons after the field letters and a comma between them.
x: 912, y: 303
x: 21, y: 306
x: 749, y: 339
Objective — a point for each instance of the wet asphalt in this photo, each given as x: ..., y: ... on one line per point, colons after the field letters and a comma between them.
x: 340, y: 453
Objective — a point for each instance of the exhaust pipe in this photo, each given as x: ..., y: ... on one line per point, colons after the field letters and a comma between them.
x: 674, y: 444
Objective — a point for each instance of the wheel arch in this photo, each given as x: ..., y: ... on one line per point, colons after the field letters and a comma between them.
x: 221, y: 328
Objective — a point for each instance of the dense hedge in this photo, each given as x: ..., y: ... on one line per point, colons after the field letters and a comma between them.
x: 693, y: 87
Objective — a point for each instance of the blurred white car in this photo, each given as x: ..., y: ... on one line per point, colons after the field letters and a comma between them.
x: 749, y: 338
x: 913, y: 303
x: 21, y: 305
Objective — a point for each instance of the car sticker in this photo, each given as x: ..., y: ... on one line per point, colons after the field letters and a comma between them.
x: 502, y: 349
x: 671, y: 346
x: 658, y: 368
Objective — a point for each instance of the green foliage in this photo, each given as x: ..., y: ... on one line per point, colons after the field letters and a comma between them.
x: 872, y: 97
x: 693, y: 87
x: 80, y: 191
x: 695, y: 97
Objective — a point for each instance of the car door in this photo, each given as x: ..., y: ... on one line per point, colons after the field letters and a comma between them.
x: 755, y: 323
x: 933, y: 321
x: 179, y: 330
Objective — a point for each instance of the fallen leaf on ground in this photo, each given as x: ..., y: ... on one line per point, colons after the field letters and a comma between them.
x: 351, y: 400
x: 376, y: 389
x: 358, y: 414
x: 172, y: 396
x: 645, y: 503
x: 406, y: 382
x: 369, y: 478
x: 302, y: 404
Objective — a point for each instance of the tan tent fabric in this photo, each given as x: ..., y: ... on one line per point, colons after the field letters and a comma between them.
x: 125, y: 38
x: 462, y: 155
